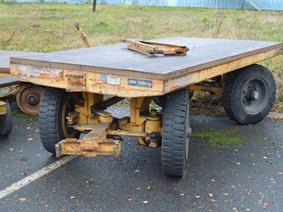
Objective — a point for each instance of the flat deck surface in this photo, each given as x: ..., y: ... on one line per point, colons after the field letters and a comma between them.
x: 203, y: 53
x: 5, y: 58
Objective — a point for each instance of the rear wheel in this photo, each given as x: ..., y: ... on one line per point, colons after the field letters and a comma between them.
x: 176, y: 133
x: 28, y: 98
x: 54, y: 107
x: 249, y: 94
x: 6, y: 121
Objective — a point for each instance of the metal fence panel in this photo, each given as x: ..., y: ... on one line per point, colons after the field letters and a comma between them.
x: 230, y: 4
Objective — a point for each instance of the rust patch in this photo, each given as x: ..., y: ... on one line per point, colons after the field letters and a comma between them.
x: 76, y: 82
x: 33, y: 71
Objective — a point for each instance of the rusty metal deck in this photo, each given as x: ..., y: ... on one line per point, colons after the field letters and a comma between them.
x: 115, y: 70
x: 118, y: 59
x: 5, y: 58
x: 5, y: 78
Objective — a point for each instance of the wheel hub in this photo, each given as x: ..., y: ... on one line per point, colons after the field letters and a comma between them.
x: 28, y: 99
x: 32, y: 99
x: 254, y: 96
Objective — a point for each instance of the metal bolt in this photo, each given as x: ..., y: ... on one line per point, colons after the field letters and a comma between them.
x: 255, y: 95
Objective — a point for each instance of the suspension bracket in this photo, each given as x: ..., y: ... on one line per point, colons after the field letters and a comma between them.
x: 93, y: 144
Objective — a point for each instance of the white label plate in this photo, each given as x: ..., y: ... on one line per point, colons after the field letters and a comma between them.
x: 113, y: 80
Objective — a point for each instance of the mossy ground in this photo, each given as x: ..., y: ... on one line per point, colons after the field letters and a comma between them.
x: 220, y: 139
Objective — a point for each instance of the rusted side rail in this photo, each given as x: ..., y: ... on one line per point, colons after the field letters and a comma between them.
x: 115, y: 70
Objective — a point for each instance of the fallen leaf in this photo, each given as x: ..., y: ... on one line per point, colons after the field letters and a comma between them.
x: 235, y: 209
x: 210, y: 194
x: 265, y: 205
x: 22, y: 199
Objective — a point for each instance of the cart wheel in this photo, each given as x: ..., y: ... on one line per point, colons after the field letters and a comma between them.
x: 249, y: 94
x: 55, y: 104
x: 176, y: 133
x: 28, y: 99
x: 6, y: 121
x: 160, y: 100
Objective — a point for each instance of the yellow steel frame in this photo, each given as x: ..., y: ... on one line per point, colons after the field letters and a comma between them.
x: 8, y: 90
x: 3, y: 109
x: 211, y: 89
x: 102, y: 125
x: 85, y: 116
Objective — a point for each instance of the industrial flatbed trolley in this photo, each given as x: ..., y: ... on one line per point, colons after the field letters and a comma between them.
x: 82, y: 83
x: 28, y: 95
x: 8, y: 87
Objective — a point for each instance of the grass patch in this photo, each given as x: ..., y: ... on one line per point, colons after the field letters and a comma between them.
x: 220, y: 139
x: 50, y: 27
x: 19, y: 113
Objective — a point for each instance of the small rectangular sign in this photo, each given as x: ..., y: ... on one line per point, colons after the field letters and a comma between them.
x: 140, y: 83
x: 113, y: 80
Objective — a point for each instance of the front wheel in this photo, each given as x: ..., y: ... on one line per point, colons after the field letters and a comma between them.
x: 249, y: 94
x: 55, y: 105
x: 176, y: 133
x: 6, y: 121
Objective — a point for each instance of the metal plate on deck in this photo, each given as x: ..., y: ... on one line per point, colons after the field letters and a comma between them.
x: 117, y: 59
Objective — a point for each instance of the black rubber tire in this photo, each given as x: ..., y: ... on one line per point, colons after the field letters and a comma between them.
x: 176, y: 133
x: 160, y: 100
x: 50, y: 119
x: 234, y: 85
x: 6, y: 121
